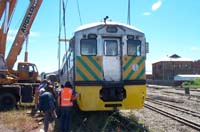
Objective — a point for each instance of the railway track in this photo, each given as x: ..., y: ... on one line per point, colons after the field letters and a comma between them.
x: 177, y: 108
x: 182, y: 94
x: 182, y: 120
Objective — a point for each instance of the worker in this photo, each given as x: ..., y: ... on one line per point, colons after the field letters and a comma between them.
x: 65, y: 100
x: 47, y: 105
x: 43, y: 84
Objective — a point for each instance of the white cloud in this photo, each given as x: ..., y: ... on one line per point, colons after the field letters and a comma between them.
x: 147, y: 13
x: 13, y: 33
x: 34, y: 34
x: 156, y: 5
x: 10, y: 38
x: 195, y: 48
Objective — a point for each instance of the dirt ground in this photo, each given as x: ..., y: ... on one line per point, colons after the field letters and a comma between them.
x: 3, y: 128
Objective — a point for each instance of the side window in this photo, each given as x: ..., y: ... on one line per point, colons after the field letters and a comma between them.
x: 61, y: 72
x: 110, y: 47
x: 31, y: 69
x: 71, y: 60
x: 88, y: 47
x: 134, y: 47
x: 65, y: 68
x: 35, y: 68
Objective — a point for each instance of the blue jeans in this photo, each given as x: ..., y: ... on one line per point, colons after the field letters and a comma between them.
x: 65, y: 119
x: 47, y: 115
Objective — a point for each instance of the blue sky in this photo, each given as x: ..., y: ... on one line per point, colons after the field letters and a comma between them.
x: 170, y: 26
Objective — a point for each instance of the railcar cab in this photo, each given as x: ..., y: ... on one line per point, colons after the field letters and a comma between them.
x: 110, y: 57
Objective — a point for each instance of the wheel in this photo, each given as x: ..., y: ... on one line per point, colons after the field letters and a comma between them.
x: 7, y: 101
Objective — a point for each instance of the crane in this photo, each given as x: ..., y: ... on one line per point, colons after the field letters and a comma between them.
x: 16, y: 85
x: 25, y: 71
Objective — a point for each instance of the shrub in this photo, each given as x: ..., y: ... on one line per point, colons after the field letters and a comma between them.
x: 186, y: 83
x: 195, y: 83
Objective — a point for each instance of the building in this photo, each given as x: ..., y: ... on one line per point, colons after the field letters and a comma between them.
x: 168, y: 67
x: 196, y: 67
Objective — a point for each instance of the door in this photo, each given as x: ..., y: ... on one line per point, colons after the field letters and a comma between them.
x: 111, y: 59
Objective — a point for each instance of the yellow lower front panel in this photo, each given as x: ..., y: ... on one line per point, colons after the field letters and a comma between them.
x: 89, y: 98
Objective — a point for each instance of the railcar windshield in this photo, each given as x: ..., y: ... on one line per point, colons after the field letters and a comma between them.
x: 111, y: 47
x: 88, y: 47
x: 134, y: 47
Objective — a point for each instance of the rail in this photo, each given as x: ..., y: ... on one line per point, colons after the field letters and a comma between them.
x: 181, y: 109
x: 187, y: 122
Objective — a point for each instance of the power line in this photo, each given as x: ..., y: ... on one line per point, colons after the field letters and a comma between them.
x: 62, y: 23
x: 128, y: 17
x: 79, y: 12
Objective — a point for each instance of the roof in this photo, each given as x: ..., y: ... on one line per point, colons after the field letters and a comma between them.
x: 171, y: 58
x: 95, y: 24
x: 186, y: 77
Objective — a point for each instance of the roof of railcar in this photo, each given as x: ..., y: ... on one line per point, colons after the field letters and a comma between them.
x: 91, y: 25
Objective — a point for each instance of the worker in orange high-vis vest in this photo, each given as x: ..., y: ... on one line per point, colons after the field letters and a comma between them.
x: 65, y: 101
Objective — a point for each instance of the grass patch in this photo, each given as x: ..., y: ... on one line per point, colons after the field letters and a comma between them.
x: 18, y: 120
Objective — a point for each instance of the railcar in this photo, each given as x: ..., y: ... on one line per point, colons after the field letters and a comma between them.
x: 106, y: 65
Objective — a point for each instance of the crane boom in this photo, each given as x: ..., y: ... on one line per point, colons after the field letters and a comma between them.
x: 23, y: 32
x: 4, y: 29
